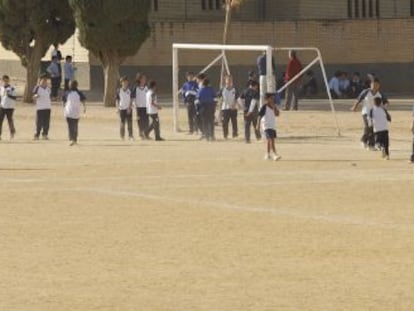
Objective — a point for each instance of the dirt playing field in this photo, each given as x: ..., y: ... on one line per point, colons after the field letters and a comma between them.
x: 190, y: 225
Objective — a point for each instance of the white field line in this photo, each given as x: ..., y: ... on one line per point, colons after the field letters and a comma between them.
x: 274, y: 211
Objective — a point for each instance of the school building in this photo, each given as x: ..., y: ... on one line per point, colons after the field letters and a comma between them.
x: 369, y: 36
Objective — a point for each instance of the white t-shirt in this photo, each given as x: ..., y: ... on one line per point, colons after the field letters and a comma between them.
x: 268, y: 118
x: 124, y: 98
x: 379, y: 119
x: 73, y: 101
x: 151, y: 98
x: 6, y: 101
x: 43, y: 101
x: 229, y: 98
x: 368, y: 100
x: 141, y: 97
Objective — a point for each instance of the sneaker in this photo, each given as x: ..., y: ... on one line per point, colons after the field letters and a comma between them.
x: 45, y: 138
x: 72, y: 143
x: 11, y: 136
x: 276, y: 157
x: 35, y: 137
x: 159, y: 139
x: 131, y: 138
x: 372, y: 148
x: 411, y: 161
x: 364, y: 145
x: 386, y: 158
x: 267, y: 157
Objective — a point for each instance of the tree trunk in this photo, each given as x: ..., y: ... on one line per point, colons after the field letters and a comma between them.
x: 227, y: 24
x: 111, y: 71
x: 32, y: 72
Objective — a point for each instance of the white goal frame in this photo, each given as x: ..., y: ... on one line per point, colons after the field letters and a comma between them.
x: 271, y: 87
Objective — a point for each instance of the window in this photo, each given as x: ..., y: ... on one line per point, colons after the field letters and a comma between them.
x: 155, y: 5
x: 364, y: 8
x: 211, y: 4
x: 371, y: 8
x: 350, y: 8
x: 377, y: 8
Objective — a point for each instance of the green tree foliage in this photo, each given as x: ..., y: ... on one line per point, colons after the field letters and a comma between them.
x: 30, y: 27
x: 112, y: 30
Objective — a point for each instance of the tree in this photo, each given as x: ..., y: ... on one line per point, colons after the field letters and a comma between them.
x: 29, y: 28
x: 229, y: 6
x: 112, y: 30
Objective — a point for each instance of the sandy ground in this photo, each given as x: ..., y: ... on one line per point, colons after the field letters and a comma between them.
x: 189, y: 225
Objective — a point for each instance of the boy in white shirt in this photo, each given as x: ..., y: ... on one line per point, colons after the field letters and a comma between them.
x: 379, y: 118
x: 152, y: 111
x: 229, y: 104
x: 41, y: 96
x: 72, y: 101
x: 139, y: 95
x: 7, y: 104
x: 268, y: 114
x: 124, y: 105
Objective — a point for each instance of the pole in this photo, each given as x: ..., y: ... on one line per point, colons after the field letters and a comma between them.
x: 269, y: 70
x: 175, y: 91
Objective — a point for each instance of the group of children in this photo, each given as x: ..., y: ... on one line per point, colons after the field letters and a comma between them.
x: 202, y: 100
x: 72, y: 101
x: 376, y: 119
x: 144, y: 99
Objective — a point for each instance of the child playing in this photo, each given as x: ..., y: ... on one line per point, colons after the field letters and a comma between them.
x: 379, y: 118
x: 189, y: 91
x: 7, y: 104
x: 368, y: 96
x: 268, y: 113
x: 139, y: 96
x: 69, y: 71
x: 41, y: 96
x: 152, y: 111
x: 206, y: 99
x: 229, y: 97
x: 56, y: 77
x: 124, y: 105
x: 251, y: 99
x: 72, y: 101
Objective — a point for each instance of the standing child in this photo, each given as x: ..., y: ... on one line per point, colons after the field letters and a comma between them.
x: 7, y: 104
x: 379, y: 118
x: 412, y: 130
x: 72, y: 101
x: 139, y: 96
x: 268, y: 113
x: 152, y: 111
x: 251, y: 98
x: 206, y: 99
x: 41, y: 96
x: 189, y: 91
x: 55, y: 75
x: 124, y: 105
x: 69, y: 71
x: 229, y: 97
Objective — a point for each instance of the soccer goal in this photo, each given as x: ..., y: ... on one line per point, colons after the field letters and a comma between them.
x: 271, y: 87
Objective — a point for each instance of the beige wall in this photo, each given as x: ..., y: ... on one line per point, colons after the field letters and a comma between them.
x: 341, y: 42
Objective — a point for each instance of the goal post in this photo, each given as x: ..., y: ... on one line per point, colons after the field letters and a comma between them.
x: 271, y: 87
x: 214, y: 47
x: 317, y: 59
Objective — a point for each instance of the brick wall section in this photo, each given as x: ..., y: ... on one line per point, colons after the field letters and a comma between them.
x: 341, y: 41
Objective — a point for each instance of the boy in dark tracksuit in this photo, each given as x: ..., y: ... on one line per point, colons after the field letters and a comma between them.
x: 251, y: 99
x: 189, y: 91
x: 206, y: 98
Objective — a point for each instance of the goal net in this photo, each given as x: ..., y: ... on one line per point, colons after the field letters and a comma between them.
x: 222, y: 59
